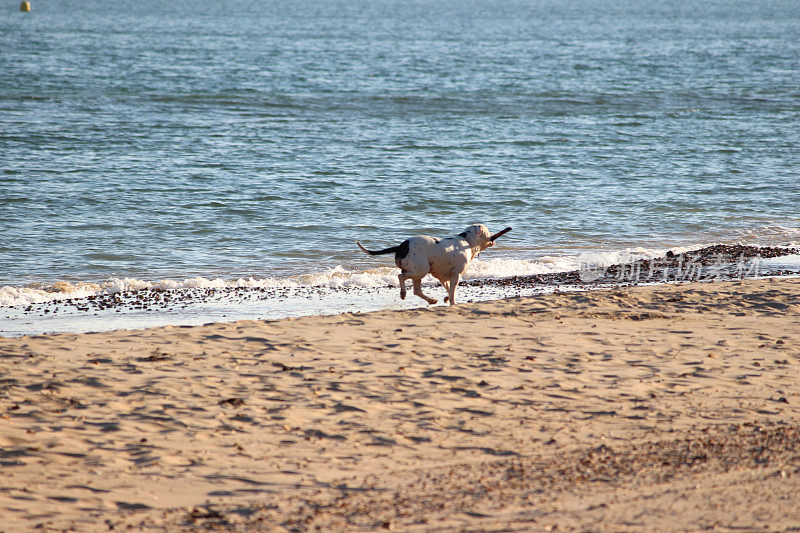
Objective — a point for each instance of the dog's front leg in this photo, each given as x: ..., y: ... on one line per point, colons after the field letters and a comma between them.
x: 446, y: 284
x: 417, y: 283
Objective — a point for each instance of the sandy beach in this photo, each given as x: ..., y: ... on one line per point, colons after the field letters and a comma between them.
x: 660, y: 408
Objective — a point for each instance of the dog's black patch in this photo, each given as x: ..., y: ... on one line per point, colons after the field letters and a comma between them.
x: 401, y: 253
x: 463, y: 234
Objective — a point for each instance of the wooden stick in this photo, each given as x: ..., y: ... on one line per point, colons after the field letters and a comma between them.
x: 496, y: 235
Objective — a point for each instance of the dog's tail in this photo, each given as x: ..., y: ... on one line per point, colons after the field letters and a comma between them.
x: 391, y: 250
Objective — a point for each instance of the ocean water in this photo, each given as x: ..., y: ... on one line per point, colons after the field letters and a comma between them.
x: 197, y: 144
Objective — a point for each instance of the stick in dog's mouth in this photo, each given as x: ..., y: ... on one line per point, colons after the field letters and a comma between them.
x: 500, y: 234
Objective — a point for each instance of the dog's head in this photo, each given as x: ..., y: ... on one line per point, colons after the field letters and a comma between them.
x: 478, y: 236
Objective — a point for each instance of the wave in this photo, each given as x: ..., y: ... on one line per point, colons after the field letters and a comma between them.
x: 788, y: 235
x: 338, y: 277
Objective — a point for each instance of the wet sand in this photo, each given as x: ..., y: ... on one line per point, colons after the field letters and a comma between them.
x: 671, y: 407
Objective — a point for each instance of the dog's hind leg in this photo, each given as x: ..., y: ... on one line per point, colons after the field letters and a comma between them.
x: 417, y: 283
x: 451, y: 288
x: 402, y: 279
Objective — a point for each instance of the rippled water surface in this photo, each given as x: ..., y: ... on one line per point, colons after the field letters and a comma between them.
x: 167, y: 140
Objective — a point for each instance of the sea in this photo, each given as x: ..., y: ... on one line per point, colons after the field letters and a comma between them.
x: 229, y: 154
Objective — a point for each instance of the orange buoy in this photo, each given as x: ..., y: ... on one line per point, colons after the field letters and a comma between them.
x: 25, y: 7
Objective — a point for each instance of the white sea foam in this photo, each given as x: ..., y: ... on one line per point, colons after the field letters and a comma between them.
x: 337, y: 277
x: 334, y: 278
x: 785, y: 261
x: 58, y: 291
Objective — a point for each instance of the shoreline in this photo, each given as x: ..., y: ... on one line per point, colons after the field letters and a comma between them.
x: 153, y: 307
x: 551, y: 411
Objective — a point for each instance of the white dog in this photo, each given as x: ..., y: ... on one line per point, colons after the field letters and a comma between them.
x: 444, y: 259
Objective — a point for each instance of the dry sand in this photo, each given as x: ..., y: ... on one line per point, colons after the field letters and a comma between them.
x: 646, y: 408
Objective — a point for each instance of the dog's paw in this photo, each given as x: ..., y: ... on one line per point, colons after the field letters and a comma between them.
x: 403, y: 295
x: 446, y: 299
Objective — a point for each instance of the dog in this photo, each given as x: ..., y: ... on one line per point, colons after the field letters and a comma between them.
x: 444, y: 259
